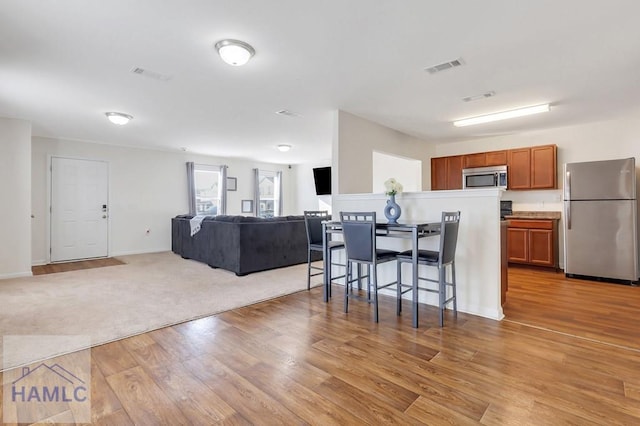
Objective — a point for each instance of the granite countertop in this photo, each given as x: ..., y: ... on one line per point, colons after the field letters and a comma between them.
x: 534, y: 215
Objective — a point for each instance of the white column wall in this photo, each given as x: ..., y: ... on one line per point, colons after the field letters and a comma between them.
x: 15, y: 196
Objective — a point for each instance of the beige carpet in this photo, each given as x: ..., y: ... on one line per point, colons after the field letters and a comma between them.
x: 150, y: 291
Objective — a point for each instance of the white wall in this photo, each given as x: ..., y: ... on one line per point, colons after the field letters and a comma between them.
x: 15, y: 190
x: 477, y: 251
x: 407, y: 171
x: 304, y: 191
x: 146, y: 189
x: 355, y: 140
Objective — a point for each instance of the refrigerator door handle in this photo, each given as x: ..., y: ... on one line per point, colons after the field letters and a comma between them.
x: 567, y: 213
x: 567, y: 186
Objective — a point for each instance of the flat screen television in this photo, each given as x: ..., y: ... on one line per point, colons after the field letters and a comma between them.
x: 322, y: 179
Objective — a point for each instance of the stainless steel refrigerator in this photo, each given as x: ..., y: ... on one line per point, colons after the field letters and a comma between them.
x: 600, y: 220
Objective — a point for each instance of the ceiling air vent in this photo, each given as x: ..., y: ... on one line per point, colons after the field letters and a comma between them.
x: 287, y: 113
x: 478, y: 97
x: 151, y: 74
x: 444, y: 66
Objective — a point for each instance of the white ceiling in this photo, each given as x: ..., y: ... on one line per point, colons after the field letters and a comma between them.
x: 64, y: 63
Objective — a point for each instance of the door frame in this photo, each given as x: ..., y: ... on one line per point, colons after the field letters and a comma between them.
x: 49, y: 187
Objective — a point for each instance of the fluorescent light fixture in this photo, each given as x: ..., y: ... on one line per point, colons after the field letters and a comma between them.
x: 118, y: 118
x: 284, y: 147
x: 234, y: 52
x: 520, y: 112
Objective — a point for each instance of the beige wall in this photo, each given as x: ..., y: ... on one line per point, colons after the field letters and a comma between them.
x: 15, y: 191
x: 355, y: 139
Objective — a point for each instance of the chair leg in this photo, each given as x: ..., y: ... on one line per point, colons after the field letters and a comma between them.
x: 369, y: 283
x: 442, y: 287
x: 398, y: 287
x: 374, y: 270
x: 308, y: 269
x: 453, y: 284
x: 328, y: 279
x: 346, y: 287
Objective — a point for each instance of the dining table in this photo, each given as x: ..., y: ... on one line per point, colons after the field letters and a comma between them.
x: 411, y: 230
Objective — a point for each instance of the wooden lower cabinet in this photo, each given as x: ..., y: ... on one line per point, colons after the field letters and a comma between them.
x: 518, y: 243
x: 533, y: 242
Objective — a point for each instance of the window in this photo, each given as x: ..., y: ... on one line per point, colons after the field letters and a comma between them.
x: 268, y: 196
x: 207, y: 191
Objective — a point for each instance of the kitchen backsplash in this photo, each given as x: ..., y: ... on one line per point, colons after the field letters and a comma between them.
x: 543, y: 200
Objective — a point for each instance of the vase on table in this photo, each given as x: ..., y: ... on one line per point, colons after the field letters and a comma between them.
x: 392, y: 210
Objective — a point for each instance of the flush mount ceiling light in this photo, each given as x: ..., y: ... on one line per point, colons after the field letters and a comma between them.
x: 118, y: 118
x: 234, y: 52
x: 520, y: 112
x: 284, y: 147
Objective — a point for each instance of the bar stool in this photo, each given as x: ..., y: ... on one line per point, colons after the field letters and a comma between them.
x: 439, y: 259
x: 359, y: 232
x: 313, y: 223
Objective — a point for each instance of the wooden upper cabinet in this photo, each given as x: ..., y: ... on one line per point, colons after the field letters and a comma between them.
x: 519, y: 168
x: 528, y: 168
x: 454, y: 172
x: 543, y: 167
x: 475, y: 160
x: 496, y: 158
x: 485, y: 159
x: 446, y: 173
x: 533, y: 168
x: 438, y: 173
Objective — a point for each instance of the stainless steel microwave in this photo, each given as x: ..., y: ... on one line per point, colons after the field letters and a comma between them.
x: 485, y: 177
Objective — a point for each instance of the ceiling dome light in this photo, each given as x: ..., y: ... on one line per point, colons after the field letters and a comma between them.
x: 118, y: 118
x: 234, y: 52
x: 284, y: 147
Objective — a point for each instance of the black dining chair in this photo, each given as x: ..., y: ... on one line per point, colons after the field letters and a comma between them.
x: 359, y: 233
x: 313, y: 223
x: 440, y: 259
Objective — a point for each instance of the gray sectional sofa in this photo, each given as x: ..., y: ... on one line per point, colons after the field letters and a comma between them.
x: 242, y: 244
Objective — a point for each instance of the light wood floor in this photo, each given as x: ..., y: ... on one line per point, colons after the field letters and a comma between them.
x: 297, y: 360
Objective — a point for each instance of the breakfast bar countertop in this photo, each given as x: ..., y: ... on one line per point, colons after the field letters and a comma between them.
x: 534, y: 215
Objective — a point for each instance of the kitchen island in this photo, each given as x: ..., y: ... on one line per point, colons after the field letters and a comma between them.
x: 478, y: 253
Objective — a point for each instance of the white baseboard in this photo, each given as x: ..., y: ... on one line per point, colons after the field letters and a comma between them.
x: 128, y: 253
x: 15, y: 275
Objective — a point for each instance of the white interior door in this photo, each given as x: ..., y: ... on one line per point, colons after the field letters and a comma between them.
x: 79, y: 209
